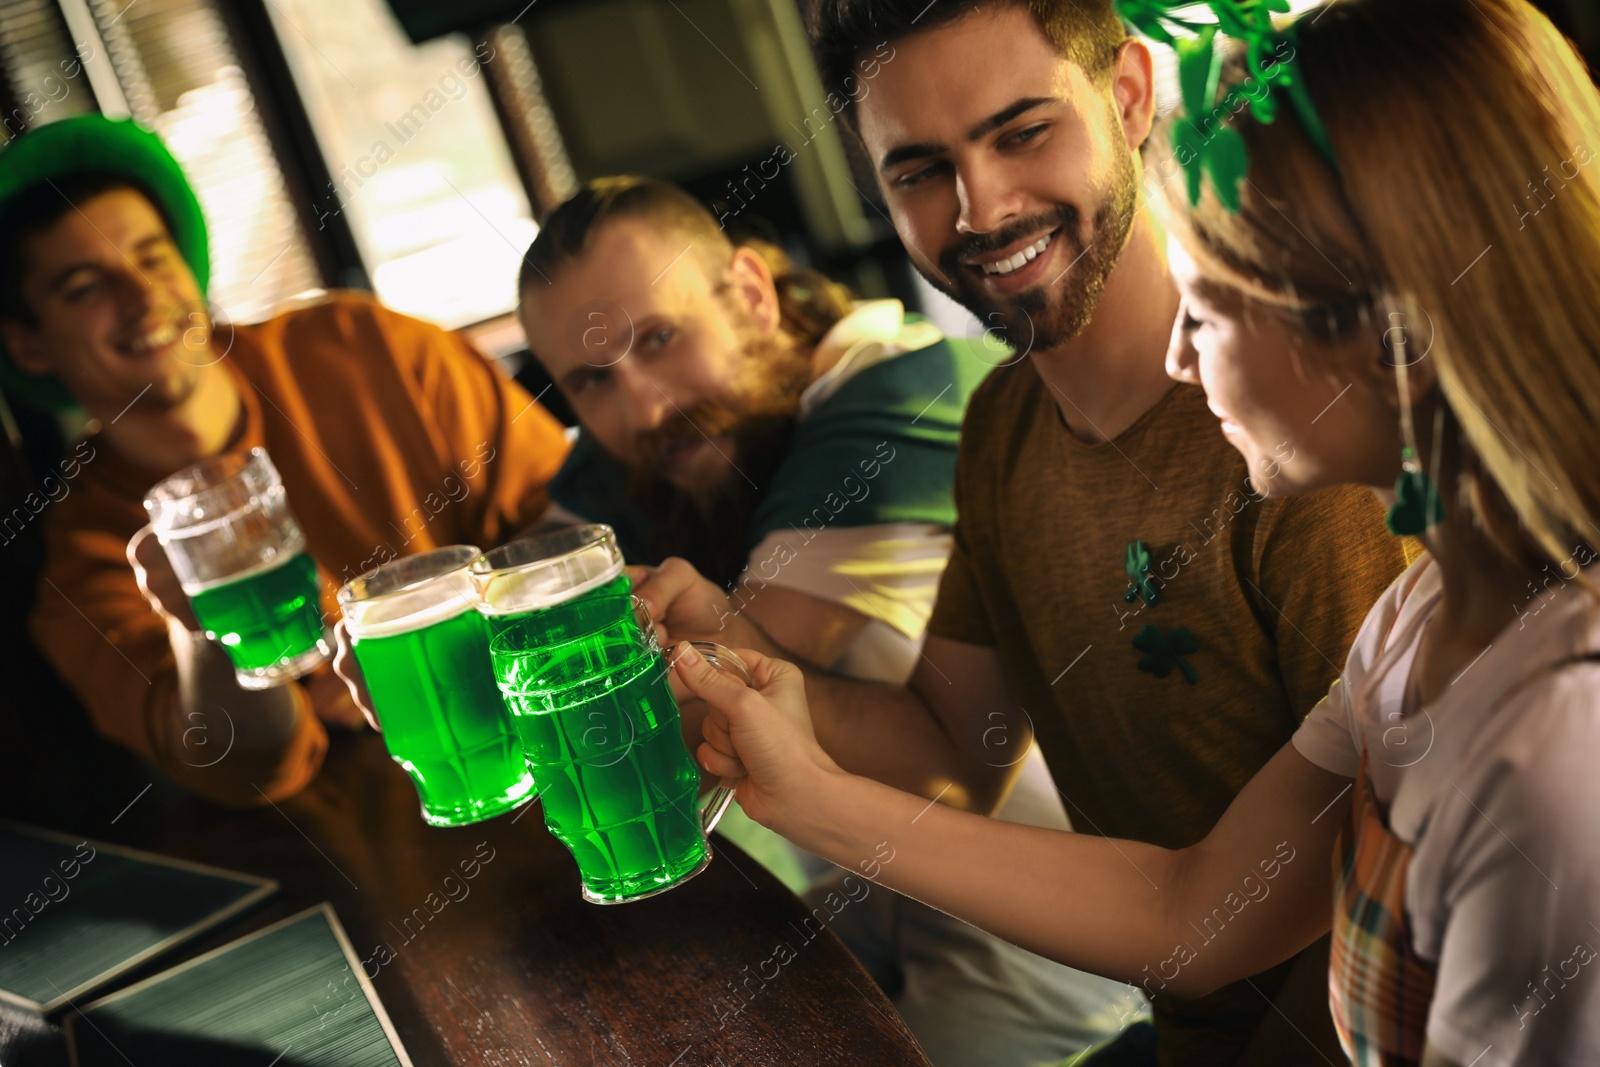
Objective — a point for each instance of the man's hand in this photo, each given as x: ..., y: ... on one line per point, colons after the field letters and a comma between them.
x: 761, y: 734
x: 346, y: 667
x: 686, y: 607
x: 158, y: 581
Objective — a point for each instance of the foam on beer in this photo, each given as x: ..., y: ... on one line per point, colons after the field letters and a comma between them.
x: 518, y: 591
x: 412, y: 608
x: 291, y: 548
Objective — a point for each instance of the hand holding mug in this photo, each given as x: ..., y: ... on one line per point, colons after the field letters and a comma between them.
x: 686, y: 606
x: 760, y: 734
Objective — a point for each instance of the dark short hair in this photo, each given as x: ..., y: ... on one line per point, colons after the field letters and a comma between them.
x: 39, y: 207
x: 809, y: 302
x: 569, y: 228
x: 1085, y: 32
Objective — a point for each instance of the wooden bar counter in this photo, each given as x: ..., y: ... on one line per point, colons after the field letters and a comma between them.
x: 484, y: 953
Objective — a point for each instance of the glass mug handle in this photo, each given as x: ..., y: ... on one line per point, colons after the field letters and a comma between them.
x: 725, y: 660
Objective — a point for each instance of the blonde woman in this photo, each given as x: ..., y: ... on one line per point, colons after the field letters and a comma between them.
x: 1426, y: 312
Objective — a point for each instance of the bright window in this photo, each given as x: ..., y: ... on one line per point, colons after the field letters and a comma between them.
x: 421, y: 170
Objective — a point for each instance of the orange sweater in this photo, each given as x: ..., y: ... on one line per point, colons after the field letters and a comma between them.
x: 393, y: 437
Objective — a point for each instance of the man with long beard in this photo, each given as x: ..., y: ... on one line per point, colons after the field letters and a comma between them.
x: 1121, y: 585
x: 745, y: 413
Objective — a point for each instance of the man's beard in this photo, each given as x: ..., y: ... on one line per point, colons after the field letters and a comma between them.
x: 708, y: 525
x: 1030, y: 320
x: 763, y: 403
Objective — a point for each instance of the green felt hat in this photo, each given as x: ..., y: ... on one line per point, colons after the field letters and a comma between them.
x: 115, y: 146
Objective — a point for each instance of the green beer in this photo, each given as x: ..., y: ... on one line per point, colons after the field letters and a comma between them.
x: 557, y: 623
x: 265, y: 616
x: 225, y: 526
x: 618, y: 787
x: 586, y: 685
x: 423, y: 649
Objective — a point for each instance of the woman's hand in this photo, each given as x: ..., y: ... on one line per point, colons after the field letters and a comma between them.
x: 762, y: 735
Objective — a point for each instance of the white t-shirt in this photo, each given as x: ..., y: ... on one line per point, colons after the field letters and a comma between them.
x: 888, y: 572
x: 1496, y: 785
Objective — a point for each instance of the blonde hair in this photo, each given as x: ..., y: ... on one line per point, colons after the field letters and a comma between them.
x: 1455, y: 125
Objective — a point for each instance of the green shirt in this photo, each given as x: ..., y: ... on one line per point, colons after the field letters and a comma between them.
x: 880, y: 448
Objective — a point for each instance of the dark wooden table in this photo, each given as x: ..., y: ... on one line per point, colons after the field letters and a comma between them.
x: 511, y: 966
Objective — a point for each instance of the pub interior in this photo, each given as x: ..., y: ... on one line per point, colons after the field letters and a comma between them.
x: 938, y: 508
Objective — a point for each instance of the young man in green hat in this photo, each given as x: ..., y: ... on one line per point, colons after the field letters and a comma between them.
x: 392, y: 437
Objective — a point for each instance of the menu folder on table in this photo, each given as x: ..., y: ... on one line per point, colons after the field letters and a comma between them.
x: 291, y: 995
x: 77, y: 913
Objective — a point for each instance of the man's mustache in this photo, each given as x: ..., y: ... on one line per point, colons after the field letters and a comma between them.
x: 751, y: 420
x: 954, y: 259
x: 700, y: 423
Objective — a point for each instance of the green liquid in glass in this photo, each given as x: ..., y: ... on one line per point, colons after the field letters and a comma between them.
x: 617, y: 785
x: 599, y: 607
x: 443, y: 719
x: 266, y: 617
x: 600, y: 730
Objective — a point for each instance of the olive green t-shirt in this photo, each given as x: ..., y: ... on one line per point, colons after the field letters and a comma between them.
x: 1152, y: 743
x: 1272, y: 591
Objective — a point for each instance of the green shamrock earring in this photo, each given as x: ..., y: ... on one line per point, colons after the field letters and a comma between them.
x: 1416, y: 504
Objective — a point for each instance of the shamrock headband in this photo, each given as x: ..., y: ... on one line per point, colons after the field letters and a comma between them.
x: 1222, y: 153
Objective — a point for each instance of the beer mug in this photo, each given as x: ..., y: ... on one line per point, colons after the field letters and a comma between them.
x: 423, y: 648
x: 241, y: 557
x: 576, y: 658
